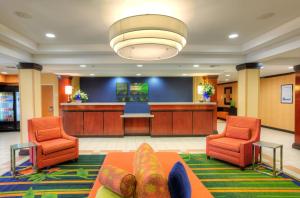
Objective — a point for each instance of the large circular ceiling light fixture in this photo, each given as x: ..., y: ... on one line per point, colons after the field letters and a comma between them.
x: 148, y: 37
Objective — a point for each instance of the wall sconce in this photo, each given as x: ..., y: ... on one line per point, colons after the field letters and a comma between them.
x: 68, y: 91
x: 200, y: 89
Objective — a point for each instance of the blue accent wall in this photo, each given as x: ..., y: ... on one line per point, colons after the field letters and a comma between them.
x: 161, y: 89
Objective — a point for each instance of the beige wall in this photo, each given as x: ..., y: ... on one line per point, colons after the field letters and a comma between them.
x: 271, y: 111
x: 30, y: 98
x: 51, y: 79
x: 220, y: 93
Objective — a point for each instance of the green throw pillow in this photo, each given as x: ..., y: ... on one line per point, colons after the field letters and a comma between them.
x: 106, y: 193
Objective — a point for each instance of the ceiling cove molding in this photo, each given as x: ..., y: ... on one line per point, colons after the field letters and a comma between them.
x: 13, y: 53
x: 71, y: 59
x: 9, y: 36
x: 287, y: 28
x: 273, y: 50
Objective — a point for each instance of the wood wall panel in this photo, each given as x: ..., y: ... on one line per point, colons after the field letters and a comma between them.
x: 271, y: 112
x: 137, y: 126
x: 161, y: 124
x: 220, y: 95
x: 93, y: 123
x: 113, y: 124
x: 73, y: 123
x: 203, y: 122
x: 182, y: 123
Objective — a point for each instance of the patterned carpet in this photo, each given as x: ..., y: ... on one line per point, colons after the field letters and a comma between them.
x: 68, y: 180
x: 227, y: 181
x: 75, y: 179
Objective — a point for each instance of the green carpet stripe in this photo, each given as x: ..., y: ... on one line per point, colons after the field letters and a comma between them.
x: 227, y: 181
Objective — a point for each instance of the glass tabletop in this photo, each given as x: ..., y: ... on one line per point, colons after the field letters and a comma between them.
x: 267, y: 144
x: 22, y: 146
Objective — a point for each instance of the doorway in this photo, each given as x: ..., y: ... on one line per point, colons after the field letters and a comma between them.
x: 47, y: 100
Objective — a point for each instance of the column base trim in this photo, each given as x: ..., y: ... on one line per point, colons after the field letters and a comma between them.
x: 296, y: 146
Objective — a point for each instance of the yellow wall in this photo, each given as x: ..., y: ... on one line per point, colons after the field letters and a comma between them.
x: 271, y: 111
x: 220, y: 93
x: 75, y: 83
x: 30, y: 98
x: 51, y: 79
x: 196, y: 81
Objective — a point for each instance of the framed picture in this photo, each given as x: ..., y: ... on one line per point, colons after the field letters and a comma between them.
x: 287, y: 94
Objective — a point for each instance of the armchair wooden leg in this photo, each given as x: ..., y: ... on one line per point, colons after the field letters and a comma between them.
x: 208, y: 157
x: 242, y: 168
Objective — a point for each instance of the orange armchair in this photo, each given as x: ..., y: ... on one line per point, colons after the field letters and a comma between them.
x: 234, y: 145
x: 54, y: 146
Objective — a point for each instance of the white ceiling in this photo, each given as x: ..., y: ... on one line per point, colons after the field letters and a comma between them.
x: 269, y: 32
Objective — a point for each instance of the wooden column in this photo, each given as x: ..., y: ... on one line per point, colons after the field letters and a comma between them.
x: 296, y: 144
x: 248, y: 89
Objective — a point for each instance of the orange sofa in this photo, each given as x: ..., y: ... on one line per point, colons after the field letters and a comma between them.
x: 125, y: 160
x: 234, y: 145
x: 54, y: 146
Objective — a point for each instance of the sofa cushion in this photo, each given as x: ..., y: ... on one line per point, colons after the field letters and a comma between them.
x: 47, y: 134
x: 238, y: 132
x: 179, y: 184
x: 106, y: 193
x: 118, y: 180
x: 227, y: 143
x: 52, y: 146
x: 150, y: 176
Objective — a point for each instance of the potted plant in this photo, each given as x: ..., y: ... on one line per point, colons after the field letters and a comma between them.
x: 79, y: 96
x: 208, y: 91
x: 232, y: 109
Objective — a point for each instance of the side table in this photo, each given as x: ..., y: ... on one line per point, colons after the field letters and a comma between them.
x: 273, y: 146
x: 14, y: 148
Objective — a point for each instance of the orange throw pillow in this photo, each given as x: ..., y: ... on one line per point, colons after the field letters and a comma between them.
x: 238, y: 133
x: 118, y: 180
x: 48, y: 134
x: 151, y: 180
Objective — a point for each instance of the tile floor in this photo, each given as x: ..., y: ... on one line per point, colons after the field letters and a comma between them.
x: 291, y: 157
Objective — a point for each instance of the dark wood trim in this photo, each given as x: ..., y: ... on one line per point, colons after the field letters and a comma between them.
x: 228, y: 83
x: 278, y: 129
x: 253, y: 65
x: 27, y: 65
x: 277, y: 75
x: 297, y: 68
x: 296, y: 146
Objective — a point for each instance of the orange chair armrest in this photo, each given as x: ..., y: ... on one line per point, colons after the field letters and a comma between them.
x: 216, y: 136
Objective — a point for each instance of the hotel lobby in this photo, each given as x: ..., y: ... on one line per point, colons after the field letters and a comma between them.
x: 149, y: 98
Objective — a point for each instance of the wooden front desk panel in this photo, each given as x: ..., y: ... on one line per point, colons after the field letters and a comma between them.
x: 182, y: 123
x: 73, y: 123
x: 183, y: 120
x: 137, y: 126
x: 202, y: 122
x: 162, y: 123
x: 93, y: 124
x: 113, y: 124
x: 93, y: 120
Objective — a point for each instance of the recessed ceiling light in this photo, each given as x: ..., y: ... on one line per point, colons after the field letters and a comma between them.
x: 262, y: 67
x: 233, y: 35
x: 139, y: 65
x: 291, y: 67
x: 138, y: 74
x: 195, y: 65
x: 83, y: 66
x: 50, y: 35
x: 184, y: 74
x: 227, y: 75
x: 92, y: 74
x: 4, y: 73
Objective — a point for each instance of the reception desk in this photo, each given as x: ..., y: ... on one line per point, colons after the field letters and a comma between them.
x: 164, y: 119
